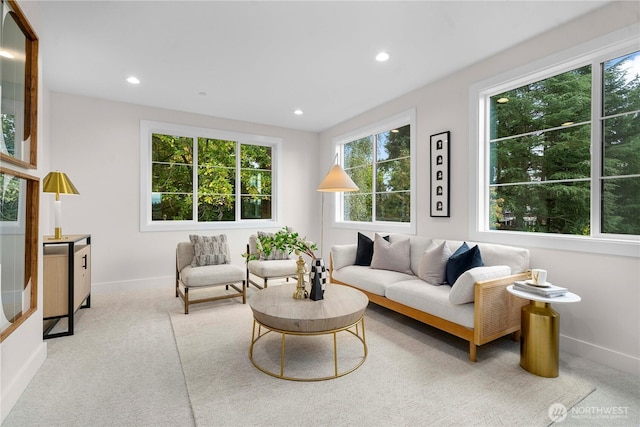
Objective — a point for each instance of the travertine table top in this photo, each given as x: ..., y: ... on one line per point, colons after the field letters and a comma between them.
x: 276, y: 308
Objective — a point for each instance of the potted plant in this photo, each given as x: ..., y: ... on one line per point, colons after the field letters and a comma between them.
x: 286, y: 240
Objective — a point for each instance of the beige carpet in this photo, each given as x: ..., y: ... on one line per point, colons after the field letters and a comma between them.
x: 413, y: 375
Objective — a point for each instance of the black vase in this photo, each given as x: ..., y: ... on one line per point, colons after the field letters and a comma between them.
x: 317, y: 277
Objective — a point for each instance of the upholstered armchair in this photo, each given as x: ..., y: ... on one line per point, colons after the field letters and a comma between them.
x: 205, y: 262
x: 277, y: 265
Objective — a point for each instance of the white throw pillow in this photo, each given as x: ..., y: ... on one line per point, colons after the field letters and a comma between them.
x: 433, y: 264
x: 463, y: 290
x: 394, y: 256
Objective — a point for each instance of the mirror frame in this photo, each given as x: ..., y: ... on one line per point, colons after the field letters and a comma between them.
x: 31, y: 213
x: 30, y: 90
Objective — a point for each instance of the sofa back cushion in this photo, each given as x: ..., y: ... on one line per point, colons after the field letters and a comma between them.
x: 391, y: 256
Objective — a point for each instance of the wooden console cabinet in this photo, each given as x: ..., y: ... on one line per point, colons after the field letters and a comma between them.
x: 65, y: 292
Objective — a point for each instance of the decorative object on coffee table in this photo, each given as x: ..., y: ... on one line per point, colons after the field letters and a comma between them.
x: 288, y: 241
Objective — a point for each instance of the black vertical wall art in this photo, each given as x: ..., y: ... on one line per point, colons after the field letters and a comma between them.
x: 440, y: 174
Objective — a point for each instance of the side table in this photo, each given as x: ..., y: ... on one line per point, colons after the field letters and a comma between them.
x: 540, y: 325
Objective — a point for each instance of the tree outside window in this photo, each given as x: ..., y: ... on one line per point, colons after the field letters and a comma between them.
x: 206, y: 187
x: 380, y: 165
x: 540, y: 165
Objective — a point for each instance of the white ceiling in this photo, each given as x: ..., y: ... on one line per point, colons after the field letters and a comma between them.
x: 258, y: 61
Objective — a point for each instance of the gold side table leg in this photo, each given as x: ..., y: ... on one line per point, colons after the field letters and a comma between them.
x: 539, y: 342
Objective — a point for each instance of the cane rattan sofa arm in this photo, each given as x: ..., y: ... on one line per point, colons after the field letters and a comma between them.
x: 497, y: 312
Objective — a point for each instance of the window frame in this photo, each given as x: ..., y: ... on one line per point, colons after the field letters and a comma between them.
x: 147, y: 128
x: 594, y: 53
x: 407, y: 117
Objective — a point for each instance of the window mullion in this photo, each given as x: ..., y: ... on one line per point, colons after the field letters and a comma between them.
x: 238, y: 184
x: 597, y: 136
x: 374, y: 168
x: 195, y: 171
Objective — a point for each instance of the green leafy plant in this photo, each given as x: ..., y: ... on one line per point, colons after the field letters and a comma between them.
x: 288, y: 241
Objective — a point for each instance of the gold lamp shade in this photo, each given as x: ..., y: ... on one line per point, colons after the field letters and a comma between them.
x: 57, y: 182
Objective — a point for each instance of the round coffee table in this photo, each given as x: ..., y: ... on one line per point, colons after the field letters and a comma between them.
x: 275, y: 310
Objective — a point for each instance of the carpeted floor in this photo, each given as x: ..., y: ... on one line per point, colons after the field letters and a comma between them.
x: 122, y: 368
x: 410, y: 377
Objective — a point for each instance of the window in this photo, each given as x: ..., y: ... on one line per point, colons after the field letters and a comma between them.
x: 379, y: 160
x: 193, y: 178
x: 560, y: 150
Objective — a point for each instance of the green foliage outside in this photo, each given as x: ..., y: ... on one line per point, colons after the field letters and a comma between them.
x: 9, y: 198
x: 540, y: 154
x: 173, y: 175
x: 392, y: 177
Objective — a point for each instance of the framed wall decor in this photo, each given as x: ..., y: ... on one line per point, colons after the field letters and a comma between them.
x: 19, y: 204
x: 18, y: 87
x: 440, y: 174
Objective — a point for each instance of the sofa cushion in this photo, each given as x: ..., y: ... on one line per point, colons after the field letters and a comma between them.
x: 431, y: 299
x: 433, y: 264
x: 210, y: 250
x: 364, y: 253
x: 394, y: 256
x: 462, y: 260
x: 463, y: 290
x: 368, y: 279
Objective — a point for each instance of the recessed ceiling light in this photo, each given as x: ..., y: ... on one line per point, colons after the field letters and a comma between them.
x: 298, y: 112
x: 502, y: 100
x: 133, y: 80
x: 382, y: 56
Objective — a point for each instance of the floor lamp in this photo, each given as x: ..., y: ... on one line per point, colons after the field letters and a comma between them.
x: 335, y: 181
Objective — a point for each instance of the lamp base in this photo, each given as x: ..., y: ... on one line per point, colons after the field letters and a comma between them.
x: 57, y: 234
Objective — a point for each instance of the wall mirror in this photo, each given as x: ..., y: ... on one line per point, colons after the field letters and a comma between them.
x: 18, y: 87
x: 19, y: 198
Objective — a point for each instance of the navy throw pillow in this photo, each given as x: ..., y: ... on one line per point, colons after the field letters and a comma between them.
x: 463, y: 259
x: 364, y: 253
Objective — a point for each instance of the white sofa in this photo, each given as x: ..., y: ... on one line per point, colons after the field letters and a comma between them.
x: 482, y: 309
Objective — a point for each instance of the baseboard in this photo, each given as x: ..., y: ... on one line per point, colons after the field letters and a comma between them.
x: 163, y: 282
x: 12, y: 392
x: 604, y: 356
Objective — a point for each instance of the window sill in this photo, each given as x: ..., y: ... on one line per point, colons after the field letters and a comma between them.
x: 628, y: 248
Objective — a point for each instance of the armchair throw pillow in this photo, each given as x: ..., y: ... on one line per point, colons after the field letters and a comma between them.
x: 275, y: 253
x: 210, y: 250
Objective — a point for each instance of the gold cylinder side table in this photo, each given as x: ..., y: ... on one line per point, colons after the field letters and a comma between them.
x: 540, y: 332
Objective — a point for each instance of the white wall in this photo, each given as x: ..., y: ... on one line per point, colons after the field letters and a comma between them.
x: 605, y: 325
x: 23, y: 352
x: 97, y: 144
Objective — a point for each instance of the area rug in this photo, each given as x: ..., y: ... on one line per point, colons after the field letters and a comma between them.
x: 413, y: 375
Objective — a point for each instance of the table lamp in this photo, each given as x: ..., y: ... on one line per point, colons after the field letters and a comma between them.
x: 58, y: 182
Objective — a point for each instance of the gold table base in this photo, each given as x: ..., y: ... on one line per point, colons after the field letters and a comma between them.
x: 357, y: 333
x: 539, y: 342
